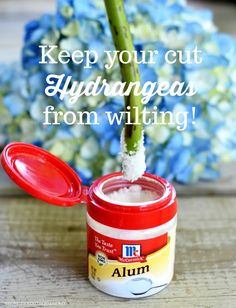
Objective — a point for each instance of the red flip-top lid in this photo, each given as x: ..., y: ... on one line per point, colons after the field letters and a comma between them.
x: 42, y: 174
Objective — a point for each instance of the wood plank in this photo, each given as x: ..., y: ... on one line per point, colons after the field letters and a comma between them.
x: 14, y: 14
x: 10, y: 46
x: 224, y: 14
x: 21, y: 9
x: 43, y: 257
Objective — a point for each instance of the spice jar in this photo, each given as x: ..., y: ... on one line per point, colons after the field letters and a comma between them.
x: 130, y: 226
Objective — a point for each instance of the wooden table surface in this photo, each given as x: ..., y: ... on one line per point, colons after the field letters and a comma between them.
x: 43, y: 257
x: 43, y: 251
x: 43, y: 248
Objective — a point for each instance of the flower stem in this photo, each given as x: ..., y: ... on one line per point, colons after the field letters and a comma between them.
x: 130, y: 73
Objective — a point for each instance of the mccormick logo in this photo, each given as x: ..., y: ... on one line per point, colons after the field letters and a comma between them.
x: 131, y: 253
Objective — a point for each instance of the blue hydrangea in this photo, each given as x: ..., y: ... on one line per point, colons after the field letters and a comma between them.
x: 93, y: 150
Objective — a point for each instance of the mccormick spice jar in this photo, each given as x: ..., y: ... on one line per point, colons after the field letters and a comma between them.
x: 130, y: 226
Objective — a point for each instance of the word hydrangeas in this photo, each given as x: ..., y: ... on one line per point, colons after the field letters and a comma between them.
x: 93, y: 150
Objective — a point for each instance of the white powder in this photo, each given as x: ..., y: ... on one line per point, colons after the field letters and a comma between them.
x: 133, y: 164
x: 132, y: 194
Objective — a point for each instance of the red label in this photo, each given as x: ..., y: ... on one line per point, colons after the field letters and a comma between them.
x: 125, y: 251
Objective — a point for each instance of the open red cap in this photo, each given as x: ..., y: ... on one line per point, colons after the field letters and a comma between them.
x: 42, y: 174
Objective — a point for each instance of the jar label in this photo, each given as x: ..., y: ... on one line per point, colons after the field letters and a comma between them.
x: 130, y: 268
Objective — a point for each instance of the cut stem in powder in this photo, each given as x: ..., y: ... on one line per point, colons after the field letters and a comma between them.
x: 132, y: 142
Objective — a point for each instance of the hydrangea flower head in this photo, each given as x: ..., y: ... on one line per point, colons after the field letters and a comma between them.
x: 155, y: 24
